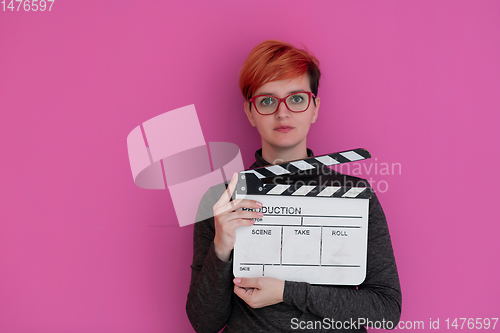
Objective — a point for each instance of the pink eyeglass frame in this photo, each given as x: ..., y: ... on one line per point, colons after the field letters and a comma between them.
x: 310, y: 94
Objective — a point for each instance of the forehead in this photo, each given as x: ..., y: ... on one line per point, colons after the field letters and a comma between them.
x: 284, y: 87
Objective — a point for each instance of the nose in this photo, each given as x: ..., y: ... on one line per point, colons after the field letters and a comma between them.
x: 282, y: 111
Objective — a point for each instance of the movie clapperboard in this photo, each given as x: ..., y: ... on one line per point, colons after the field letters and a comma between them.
x: 316, y: 234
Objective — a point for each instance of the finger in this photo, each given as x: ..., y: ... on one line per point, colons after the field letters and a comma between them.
x: 240, y: 292
x: 223, y: 207
x: 226, y: 196
x: 245, y: 289
x: 243, y: 293
x: 244, y: 214
x: 228, y: 227
x: 237, y: 204
x: 241, y: 223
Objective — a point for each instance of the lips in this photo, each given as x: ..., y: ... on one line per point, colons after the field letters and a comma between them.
x: 283, y: 128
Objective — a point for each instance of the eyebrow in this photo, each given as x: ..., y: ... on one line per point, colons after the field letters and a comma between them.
x: 292, y: 92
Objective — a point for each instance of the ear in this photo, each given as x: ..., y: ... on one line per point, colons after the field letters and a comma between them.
x: 315, y: 112
x: 249, y: 114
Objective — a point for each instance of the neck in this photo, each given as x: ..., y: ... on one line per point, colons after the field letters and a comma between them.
x: 278, y: 155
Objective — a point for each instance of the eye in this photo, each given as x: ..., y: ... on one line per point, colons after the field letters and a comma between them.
x: 267, y: 101
x: 297, y: 98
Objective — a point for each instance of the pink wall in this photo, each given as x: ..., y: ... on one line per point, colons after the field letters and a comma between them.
x: 82, y: 249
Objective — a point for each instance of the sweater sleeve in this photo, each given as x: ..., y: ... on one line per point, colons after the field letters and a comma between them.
x: 378, y: 298
x: 208, y: 303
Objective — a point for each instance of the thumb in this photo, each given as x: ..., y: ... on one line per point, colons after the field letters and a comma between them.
x: 246, y: 282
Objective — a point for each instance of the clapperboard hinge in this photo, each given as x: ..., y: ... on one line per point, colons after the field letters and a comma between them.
x: 250, y: 181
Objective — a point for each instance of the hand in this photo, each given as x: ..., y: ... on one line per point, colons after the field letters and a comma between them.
x: 259, y: 292
x: 227, y: 219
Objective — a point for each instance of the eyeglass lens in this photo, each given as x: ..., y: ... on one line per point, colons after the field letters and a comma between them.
x: 296, y: 102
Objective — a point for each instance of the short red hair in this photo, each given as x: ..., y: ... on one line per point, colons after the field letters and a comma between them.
x: 274, y: 60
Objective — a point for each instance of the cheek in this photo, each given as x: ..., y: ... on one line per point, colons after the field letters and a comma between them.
x: 305, y: 122
x: 305, y: 125
x: 262, y: 125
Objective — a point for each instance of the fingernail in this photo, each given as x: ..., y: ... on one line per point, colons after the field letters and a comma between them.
x: 260, y: 214
x: 259, y: 203
x: 237, y: 281
x: 235, y: 175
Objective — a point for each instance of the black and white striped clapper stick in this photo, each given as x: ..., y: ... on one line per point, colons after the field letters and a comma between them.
x: 250, y: 181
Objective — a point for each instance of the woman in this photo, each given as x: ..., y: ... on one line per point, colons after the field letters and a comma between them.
x: 280, y: 83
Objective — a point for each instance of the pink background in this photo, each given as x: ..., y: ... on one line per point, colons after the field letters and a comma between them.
x: 82, y: 249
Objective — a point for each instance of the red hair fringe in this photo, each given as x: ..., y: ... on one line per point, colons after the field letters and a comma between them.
x: 274, y: 60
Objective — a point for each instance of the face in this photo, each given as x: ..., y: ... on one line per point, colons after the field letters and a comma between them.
x: 284, y: 129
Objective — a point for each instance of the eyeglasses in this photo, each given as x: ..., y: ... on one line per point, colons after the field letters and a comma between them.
x: 295, y: 102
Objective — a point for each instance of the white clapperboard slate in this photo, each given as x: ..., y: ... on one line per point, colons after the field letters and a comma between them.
x: 315, y: 234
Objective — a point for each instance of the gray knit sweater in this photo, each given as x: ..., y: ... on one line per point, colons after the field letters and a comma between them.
x: 212, y: 305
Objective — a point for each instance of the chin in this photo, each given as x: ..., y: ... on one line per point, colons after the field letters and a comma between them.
x: 285, y: 145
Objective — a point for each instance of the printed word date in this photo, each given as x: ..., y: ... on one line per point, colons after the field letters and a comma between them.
x: 27, y: 5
